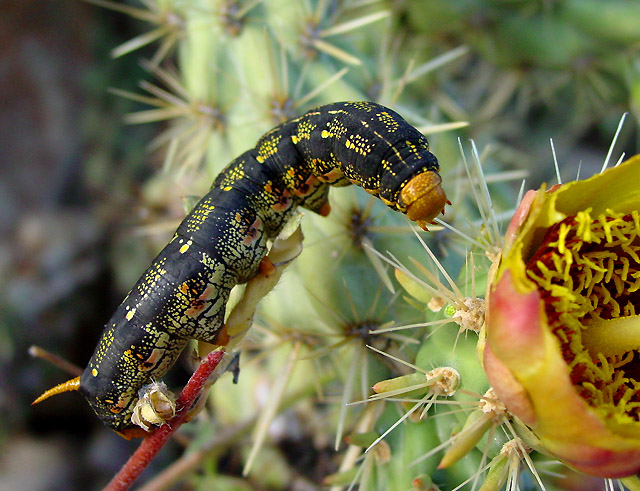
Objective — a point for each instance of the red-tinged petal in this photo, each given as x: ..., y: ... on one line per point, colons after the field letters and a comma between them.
x: 602, y: 462
x: 507, y: 388
x: 515, y: 322
x: 520, y: 215
x: 573, y: 431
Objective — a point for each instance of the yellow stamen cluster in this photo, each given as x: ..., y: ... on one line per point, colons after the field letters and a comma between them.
x: 587, y: 270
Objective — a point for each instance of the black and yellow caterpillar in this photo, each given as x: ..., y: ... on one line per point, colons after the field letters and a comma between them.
x: 221, y: 243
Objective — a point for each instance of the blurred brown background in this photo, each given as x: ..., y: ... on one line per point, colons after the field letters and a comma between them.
x: 68, y: 170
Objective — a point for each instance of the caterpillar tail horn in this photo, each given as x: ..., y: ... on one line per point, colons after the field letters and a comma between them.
x: 68, y: 386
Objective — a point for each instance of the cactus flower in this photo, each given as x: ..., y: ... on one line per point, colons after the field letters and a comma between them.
x: 563, y: 321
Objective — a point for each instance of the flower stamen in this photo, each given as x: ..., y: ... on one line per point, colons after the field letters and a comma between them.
x: 587, y: 270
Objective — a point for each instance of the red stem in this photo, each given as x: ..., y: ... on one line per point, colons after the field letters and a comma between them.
x: 152, y: 444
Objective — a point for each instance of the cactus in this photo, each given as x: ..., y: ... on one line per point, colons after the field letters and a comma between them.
x: 564, y: 67
x: 370, y: 302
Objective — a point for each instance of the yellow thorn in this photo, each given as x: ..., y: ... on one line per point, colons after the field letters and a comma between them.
x: 68, y: 386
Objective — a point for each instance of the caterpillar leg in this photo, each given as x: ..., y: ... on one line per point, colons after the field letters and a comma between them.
x: 325, y: 209
x: 315, y: 197
x: 266, y: 267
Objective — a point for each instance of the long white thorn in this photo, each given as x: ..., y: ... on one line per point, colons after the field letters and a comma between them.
x: 393, y: 261
x: 521, y: 192
x: 437, y: 62
x: 613, y: 142
x: 406, y: 363
x: 319, y: 88
x: 411, y: 326
x: 269, y: 412
x: 452, y: 283
x: 482, y: 183
x: 354, y: 24
x: 346, y: 392
x: 404, y: 416
x: 456, y: 231
x: 555, y: 161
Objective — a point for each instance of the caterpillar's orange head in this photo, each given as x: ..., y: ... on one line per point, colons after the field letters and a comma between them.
x: 424, y: 198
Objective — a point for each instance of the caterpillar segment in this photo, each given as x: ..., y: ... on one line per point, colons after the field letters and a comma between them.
x: 223, y: 241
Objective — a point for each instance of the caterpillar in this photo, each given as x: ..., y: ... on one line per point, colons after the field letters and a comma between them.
x: 223, y: 240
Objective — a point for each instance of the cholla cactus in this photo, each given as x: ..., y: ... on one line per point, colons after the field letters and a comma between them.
x: 575, y: 57
x: 338, y: 323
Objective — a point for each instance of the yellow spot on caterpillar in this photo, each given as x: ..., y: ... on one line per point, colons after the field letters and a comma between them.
x: 94, y: 372
x: 358, y: 144
x: 268, y: 147
x: 389, y: 122
x: 130, y: 314
x: 304, y: 131
x: 199, y: 215
x: 336, y: 130
x: 185, y: 247
x: 109, y: 401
